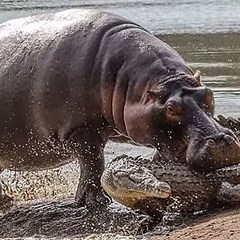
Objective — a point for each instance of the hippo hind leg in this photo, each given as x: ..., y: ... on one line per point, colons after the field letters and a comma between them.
x: 89, y: 145
x: 6, y: 202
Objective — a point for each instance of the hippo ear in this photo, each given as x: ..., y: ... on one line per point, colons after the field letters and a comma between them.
x: 197, y: 76
x: 151, y: 95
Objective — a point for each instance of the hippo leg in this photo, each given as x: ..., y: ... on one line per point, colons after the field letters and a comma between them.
x: 6, y: 202
x: 91, y: 159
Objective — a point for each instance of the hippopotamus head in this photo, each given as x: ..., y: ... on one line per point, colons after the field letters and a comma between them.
x: 178, y: 121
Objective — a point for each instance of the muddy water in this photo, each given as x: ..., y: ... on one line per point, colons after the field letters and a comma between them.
x: 206, y: 33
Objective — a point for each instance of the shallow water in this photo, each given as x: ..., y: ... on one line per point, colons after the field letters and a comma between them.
x: 160, y: 16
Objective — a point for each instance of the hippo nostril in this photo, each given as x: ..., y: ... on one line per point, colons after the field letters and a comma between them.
x: 210, y: 143
x: 228, y: 139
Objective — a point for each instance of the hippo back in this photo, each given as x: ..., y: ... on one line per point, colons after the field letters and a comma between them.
x: 46, y: 64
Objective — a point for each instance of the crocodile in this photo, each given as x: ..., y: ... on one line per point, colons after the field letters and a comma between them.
x: 155, y: 185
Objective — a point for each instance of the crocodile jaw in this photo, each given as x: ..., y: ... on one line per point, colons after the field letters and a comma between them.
x: 132, y: 184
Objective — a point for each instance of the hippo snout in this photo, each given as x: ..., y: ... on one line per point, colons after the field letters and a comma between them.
x: 213, y: 152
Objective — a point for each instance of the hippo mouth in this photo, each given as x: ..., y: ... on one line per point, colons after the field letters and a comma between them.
x: 201, y: 150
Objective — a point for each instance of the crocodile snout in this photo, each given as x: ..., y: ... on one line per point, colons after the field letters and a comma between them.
x: 139, y: 182
x: 132, y: 183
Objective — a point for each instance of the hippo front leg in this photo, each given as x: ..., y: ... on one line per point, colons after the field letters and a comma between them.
x: 89, y: 147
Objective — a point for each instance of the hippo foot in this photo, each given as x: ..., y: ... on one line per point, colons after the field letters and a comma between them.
x: 92, y: 197
x: 6, y: 202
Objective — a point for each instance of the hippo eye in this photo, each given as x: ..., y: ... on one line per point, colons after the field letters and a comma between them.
x: 170, y: 108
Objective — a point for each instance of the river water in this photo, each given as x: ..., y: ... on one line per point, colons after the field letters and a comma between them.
x: 205, y: 32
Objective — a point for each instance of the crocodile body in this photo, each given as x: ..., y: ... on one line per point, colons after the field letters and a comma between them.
x: 141, y: 184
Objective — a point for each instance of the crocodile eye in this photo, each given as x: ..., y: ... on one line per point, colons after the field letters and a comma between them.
x: 119, y: 173
x: 135, y: 179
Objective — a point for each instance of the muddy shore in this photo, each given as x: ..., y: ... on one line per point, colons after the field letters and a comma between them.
x: 60, y: 219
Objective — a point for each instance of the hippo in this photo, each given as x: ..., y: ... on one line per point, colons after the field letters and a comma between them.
x: 71, y: 80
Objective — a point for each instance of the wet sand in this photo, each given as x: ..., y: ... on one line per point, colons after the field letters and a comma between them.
x: 219, y: 226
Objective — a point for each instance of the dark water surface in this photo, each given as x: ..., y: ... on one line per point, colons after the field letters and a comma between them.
x: 205, y: 32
